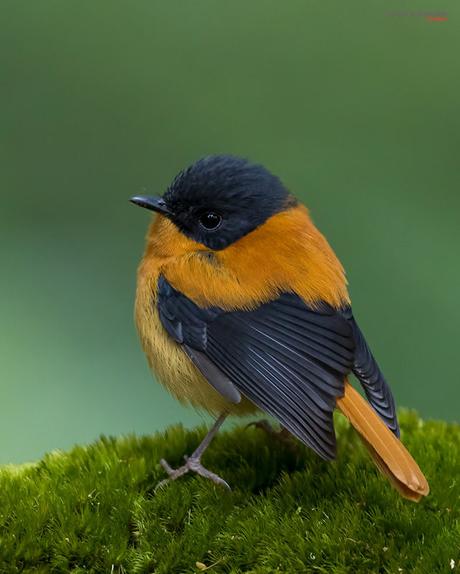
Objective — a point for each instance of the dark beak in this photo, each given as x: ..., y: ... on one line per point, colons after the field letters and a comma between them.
x: 153, y: 203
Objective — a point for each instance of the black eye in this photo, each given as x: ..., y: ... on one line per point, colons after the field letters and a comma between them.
x: 210, y: 220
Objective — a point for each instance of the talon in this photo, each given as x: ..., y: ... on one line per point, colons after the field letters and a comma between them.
x: 193, y: 462
x: 161, y: 485
x: 166, y: 466
x: 191, y: 465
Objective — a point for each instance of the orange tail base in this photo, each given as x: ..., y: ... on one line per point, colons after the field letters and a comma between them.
x: 387, y: 451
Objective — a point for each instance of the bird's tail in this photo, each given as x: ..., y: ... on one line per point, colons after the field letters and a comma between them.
x: 387, y: 451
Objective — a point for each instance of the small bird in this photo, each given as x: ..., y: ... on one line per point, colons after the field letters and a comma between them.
x: 242, y: 306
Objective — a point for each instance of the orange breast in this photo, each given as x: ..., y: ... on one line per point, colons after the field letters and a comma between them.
x: 168, y: 362
x: 287, y: 253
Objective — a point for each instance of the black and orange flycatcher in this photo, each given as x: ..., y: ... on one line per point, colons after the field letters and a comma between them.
x: 242, y: 305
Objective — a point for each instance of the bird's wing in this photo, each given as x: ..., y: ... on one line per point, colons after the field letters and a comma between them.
x: 286, y: 357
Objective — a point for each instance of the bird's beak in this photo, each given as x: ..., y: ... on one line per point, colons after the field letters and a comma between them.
x: 153, y: 203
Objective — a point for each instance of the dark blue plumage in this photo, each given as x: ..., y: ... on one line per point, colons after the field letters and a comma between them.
x: 289, y: 359
x: 295, y: 374
x: 243, y: 194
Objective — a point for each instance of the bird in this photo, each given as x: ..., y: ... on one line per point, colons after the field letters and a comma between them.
x: 242, y: 307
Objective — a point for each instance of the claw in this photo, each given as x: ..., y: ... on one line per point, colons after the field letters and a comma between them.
x: 192, y: 464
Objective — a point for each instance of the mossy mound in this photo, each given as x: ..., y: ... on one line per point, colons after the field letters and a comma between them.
x: 94, y: 509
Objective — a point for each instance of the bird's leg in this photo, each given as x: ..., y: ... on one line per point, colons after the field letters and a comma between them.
x: 193, y: 462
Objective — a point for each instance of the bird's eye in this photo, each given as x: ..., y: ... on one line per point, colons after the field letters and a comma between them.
x: 210, y: 220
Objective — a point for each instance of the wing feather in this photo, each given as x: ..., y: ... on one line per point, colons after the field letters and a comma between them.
x: 286, y: 357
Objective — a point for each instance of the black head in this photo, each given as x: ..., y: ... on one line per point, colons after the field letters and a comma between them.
x: 219, y: 199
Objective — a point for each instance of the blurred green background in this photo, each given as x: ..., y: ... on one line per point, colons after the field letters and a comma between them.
x: 356, y: 110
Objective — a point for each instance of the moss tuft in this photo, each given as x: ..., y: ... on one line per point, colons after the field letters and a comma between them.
x: 94, y: 509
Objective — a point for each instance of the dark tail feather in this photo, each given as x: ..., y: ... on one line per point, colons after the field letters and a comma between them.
x: 370, y: 376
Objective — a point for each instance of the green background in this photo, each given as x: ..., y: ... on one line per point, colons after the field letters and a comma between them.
x: 356, y: 110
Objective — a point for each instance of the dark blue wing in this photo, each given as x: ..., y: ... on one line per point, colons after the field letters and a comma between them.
x: 287, y: 358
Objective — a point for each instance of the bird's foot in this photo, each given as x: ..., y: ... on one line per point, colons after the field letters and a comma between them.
x: 283, y: 435
x: 192, y: 464
x: 267, y: 427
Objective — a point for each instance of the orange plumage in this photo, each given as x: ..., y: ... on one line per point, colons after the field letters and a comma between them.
x: 388, y: 453
x: 284, y: 256
x: 253, y: 270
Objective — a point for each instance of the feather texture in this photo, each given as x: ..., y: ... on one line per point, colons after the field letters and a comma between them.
x: 377, y: 390
x: 286, y: 357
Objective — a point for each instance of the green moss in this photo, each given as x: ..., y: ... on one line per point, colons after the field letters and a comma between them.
x: 94, y: 509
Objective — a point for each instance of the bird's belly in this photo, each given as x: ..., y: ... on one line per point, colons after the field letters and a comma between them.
x: 170, y: 365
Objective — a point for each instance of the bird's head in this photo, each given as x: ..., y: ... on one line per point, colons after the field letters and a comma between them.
x: 219, y: 199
